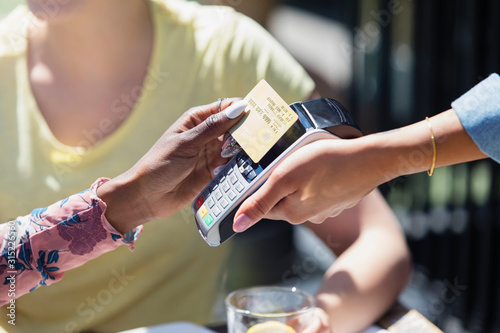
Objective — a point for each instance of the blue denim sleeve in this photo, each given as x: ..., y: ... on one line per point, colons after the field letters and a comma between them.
x: 479, y: 112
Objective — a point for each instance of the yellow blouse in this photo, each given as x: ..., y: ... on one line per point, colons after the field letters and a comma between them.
x: 200, y: 53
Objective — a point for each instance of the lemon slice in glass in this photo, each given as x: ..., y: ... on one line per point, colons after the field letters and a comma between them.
x: 271, y: 327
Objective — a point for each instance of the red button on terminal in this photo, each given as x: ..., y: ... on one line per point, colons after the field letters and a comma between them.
x: 199, y: 202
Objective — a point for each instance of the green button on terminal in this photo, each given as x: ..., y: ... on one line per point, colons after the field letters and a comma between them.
x: 208, y: 219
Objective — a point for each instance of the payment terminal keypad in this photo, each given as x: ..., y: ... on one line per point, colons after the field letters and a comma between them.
x: 227, y: 188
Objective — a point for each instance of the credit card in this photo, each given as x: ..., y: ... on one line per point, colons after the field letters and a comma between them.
x: 267, y: 119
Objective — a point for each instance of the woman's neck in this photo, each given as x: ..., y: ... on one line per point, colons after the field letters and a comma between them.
x: 93, y: 39
x: 83, y: 59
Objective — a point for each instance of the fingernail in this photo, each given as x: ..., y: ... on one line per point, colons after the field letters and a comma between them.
x: 218, y: 169
x: 241, y: 223
x: 236, y: 109
x: 230, y: 148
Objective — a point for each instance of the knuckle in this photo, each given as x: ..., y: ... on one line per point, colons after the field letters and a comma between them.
x: 336, y: 212
x: 294, y: 220
x: 318, y: 219
x: 260, y: 207
x: 192, y: 112
x: 315, y: 220
x: 212, y: 123
x: 291, y: 214
x: 279, y: 175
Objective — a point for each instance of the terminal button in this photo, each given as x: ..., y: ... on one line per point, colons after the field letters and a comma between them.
x: 199, y: 201
x: 208, y: 219
x: 203, y: 211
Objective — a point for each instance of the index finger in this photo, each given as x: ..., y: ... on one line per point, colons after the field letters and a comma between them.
x: 258, y: 205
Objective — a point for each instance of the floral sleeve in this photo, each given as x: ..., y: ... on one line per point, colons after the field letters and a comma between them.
x: 38, y: 248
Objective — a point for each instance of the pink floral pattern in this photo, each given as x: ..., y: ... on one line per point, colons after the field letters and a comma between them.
x: 83, y: 237
x: 38, y: 248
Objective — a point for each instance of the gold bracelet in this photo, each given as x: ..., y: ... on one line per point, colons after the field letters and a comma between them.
x: 434, y: 150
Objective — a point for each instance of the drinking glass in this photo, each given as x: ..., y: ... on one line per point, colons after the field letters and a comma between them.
x: 269, y: 309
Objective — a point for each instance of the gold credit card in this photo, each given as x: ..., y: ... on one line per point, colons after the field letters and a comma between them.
x: 267, y: 118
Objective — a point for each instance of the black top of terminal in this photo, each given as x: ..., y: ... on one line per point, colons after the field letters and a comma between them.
x: 327, y: 113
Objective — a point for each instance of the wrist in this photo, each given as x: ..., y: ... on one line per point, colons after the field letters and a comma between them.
x: 362, y: 160
x: 377, y: 162
x: 402, y: 151
x: 124, y: 209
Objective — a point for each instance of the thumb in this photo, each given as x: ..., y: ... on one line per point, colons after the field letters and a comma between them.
x: 219, y: 123
x: 256, y: 207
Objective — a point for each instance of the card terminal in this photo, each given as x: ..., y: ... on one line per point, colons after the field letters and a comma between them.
x: 215, y: 206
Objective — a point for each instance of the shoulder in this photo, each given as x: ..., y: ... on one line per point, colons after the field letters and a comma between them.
x: 216, y: 32
x: 205, y: 20
x: 13, y: 31
x: 235, y: 47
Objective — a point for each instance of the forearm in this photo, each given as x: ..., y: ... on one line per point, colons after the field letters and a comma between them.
x: 373, y: 267
x: 359, y: 288
x: 409, y: 150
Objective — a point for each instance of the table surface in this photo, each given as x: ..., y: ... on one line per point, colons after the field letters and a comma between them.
x: 402, y: 320
x: 397, y: 320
